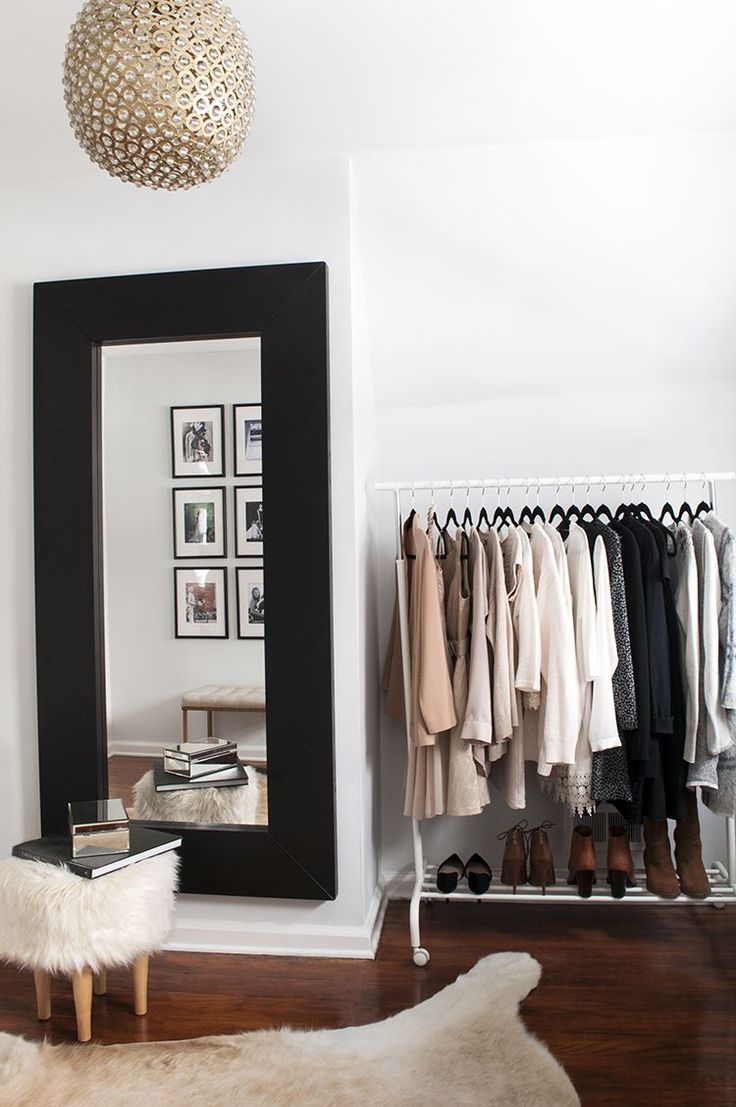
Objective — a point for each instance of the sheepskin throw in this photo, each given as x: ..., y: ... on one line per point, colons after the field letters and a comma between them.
x: 212, y: 806
x: 465, y: 1047
x: 51, y: 919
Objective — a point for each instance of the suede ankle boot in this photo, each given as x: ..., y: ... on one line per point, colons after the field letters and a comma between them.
x: 514, y: 864
x: 661, y: 875
x: 689, y: 852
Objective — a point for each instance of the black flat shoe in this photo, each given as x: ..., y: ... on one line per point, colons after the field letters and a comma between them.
x: 450, y: 871
x: 479, y: 875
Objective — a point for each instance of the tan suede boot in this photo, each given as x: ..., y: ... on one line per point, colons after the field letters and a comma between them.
x: 689, y: 852
x: 661, y: 875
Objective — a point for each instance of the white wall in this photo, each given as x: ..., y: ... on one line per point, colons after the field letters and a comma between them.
x: 148, y: 669
x: 542, y: 308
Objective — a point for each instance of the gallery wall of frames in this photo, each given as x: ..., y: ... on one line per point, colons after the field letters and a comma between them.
x: 213, y: 521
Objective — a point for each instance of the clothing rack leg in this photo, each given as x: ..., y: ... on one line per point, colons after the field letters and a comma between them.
x: 731, y: 849
x: 419, y: 954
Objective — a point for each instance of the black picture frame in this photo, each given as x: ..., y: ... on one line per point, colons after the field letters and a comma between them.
x: 239, y: 548
x: 241, y: 570
x: 220, y: 409
x: 179, y: 571
x: 237, y: 472
x: 176, y: 492
x: 286, y: 306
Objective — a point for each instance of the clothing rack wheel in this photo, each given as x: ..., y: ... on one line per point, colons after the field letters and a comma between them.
x: 420, y: 956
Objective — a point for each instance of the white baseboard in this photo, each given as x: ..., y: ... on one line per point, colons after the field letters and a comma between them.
x: 307, y: 940
x: 398, y: 885
x: 150, y: 748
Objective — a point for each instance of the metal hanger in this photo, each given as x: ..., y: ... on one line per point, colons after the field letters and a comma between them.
x: 668, y: 509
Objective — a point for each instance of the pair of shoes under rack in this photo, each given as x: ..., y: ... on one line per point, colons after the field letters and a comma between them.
x: 527, y: 856
x: 619, y: 862
x: 476, y: 871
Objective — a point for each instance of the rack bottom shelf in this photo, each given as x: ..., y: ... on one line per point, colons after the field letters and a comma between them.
x: 721, y: 891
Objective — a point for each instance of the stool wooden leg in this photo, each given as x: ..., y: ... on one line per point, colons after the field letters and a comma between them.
x: 82, y: 987
x: 42, y: 981
x: 100, y: 982
x: 210, y: 724
x: 140, y: 985
x: 185, y: 724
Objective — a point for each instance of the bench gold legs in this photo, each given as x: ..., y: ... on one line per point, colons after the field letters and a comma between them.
x: 185, y: 721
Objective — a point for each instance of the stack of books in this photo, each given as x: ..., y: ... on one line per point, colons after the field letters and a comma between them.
x: 212, y: 763
x: 101, y: 840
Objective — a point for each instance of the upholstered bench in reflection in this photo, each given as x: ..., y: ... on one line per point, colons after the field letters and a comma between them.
x: 56, y: 923
x: 237, y: 805
x: 220, y: 697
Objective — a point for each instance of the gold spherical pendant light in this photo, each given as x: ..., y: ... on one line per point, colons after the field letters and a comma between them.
x: 159, y: 92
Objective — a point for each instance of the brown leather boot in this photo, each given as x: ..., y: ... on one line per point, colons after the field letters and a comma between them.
x: 620, y: 863
x: 661, y: 875
x: 582, y: 861
x: 513, y: 865
x: 541, y: 861
x: 689, y: 852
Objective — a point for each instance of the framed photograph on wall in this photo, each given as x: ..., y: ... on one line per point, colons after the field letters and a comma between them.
x: 251, y: 603
x: 247, y: 439
x: 200, y: 597
x: 199, y: 522
x: 198, y: 441
x: 249, y: 533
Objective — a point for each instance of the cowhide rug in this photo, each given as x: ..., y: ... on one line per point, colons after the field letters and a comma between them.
x: 465, y: 1047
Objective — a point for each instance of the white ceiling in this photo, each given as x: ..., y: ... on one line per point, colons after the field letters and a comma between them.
x: 344, y: 75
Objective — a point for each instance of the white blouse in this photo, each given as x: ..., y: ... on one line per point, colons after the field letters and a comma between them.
x: 686, y: 606
x: 478, y: 725
x: 559, y: 709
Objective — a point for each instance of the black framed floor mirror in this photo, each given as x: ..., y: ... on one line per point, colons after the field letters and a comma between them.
x: 182, y: 565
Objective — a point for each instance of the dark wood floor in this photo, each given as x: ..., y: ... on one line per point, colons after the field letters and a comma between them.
x: 638, y: 1004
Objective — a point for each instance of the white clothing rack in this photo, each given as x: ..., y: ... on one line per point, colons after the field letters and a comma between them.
x: 722, y: 877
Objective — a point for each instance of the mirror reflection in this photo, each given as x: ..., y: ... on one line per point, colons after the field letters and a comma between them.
x: 185, y: 605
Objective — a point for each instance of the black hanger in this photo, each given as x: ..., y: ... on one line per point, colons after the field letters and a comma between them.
x: 451, y: 518
x: 668, y: 509
x: 702, y: 508
x: 557, y: 512
x: 483, y: 518
x: 604, y: 510
x: 642, y: 510
x: 467, y: 518
x: 503, y: 517
x: 685, y: 509
x: 588, y: 511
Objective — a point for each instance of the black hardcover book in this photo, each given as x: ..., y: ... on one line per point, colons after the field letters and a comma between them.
x: 57, y: 850
x: 232, y: 777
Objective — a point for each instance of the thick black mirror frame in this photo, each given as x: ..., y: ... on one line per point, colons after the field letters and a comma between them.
x: 286, y: 306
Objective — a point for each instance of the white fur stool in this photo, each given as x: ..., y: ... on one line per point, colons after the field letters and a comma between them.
x: 237, y: 805
x: 54, y: 922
